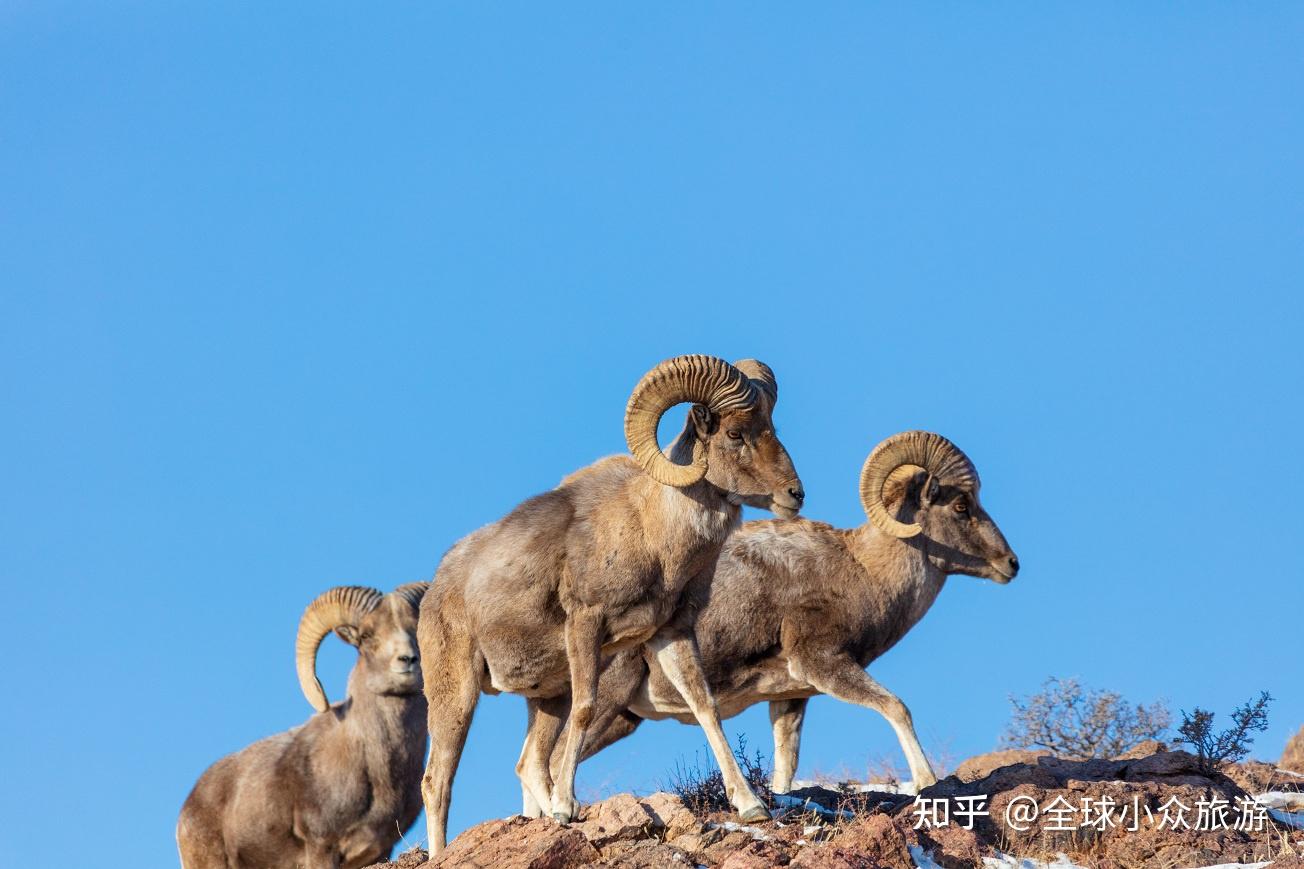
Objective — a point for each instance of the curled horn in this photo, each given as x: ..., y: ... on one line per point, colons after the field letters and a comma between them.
x: 699, y: 379
x: 923, y: 449
x: 412, y: 592
x: 761, y: 376
x: 342, y: 605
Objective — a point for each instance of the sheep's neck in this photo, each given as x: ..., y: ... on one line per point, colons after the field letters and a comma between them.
x: 700, y: 514
x: 384, y: 720
x: 903, y: 579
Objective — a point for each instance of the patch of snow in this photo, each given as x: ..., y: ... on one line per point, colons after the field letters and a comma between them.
x: 783, y: 801
x: 905, y: 788
x: 923, y: 859
x: 731, y: 826
x: 1280, y: 799
x: 1005, y: 861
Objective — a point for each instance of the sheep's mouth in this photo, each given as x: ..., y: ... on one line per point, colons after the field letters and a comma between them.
x: 999, y: 576
x: 785, y: 509
x: 784, y: 512
x: 783, y: 505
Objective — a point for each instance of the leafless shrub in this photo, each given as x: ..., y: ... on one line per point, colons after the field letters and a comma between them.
x: 1078, y: 723
x: 701, y: 786
x: 1232, y: 744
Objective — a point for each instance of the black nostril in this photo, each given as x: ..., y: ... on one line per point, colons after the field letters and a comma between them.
x: 798, y: 494
x: 407, y: 659
x: 1014, y: 564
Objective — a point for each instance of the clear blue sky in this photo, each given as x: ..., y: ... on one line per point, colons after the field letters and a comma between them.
x: 295, y: 297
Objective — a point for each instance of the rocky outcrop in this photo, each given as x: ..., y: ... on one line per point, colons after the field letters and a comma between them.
x: 515, y: 843
x: 1143, y: 749
x: 1163, y: 811
x: 982, y: 765
x: 825, y: 829
x: 1292, y: 758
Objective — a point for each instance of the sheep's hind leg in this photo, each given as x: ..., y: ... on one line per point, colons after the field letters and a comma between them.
x: 547, y: 717
x: 584, y: 629
x: 452, y: 691
x: 612, y: 721
x: 602, y: 732
x: 786, y: 718
x: 844, y: 679
x: 609, y: 730
x: 677, y: 656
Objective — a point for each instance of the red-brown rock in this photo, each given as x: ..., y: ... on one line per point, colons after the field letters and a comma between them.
x: 1143, y: 749
x: 1293, y: 757
x: 620, y: 817
x: 658, y: 831
x: 517, y: 843
x: 675, y: 818
x: 648, y: 854
x: 983, y: 765
x: 834, y: 857
x: 757, y: 855
x: 884, y: 839
x: 953, y: 847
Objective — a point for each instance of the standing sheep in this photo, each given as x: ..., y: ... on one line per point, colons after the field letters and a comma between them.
x: 337, y: 791
x: 531, y: 603
x: 798, y: 608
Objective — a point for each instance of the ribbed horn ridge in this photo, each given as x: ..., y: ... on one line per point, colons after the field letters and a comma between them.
x: 761, y: 376
x: 702, y: 380
x: 923, y: 449
x: 412, y: 592
x: 342, y: 605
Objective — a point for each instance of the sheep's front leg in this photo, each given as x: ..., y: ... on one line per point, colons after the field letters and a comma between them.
x: 841, y: 677
x: 786, y: 717
x: 677, y: 656
x: 584, y: 629
x: 546, y: 719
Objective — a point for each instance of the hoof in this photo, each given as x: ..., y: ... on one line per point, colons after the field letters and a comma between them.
x: 562, y: 818
x: 755, y: 813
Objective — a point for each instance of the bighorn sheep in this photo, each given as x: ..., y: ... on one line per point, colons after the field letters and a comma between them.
x: 530, y: 603
x: 798, y: 608
x: 338, y: 790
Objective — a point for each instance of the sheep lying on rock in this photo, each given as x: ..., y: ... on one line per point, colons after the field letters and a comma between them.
x: 339, y: 790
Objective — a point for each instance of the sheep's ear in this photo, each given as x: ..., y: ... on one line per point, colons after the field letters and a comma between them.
x: 348, y: 633
x: 704, y: 422
x: 929, y: 491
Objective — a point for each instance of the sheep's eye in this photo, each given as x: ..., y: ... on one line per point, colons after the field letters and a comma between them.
x: 961, y: 506
x: 734, y: 435
x: 365, y: 636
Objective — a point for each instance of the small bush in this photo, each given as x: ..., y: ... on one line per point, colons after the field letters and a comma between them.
x: 1078, y: 723
x: 701, y: 785
x: 1232, y: 744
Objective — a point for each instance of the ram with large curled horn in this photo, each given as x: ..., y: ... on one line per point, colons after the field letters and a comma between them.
x: 340, y: 789
x: 798, y: 608
x: 530, y: 603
